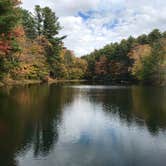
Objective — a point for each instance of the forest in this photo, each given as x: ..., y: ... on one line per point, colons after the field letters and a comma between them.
x: 141, y: 59
x: 32, y: 49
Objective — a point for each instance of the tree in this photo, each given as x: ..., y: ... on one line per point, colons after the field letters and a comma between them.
x: 46, y: 23
x: 9, y: 15
x: 148, y: 63
x: 154, y: 35
x: 101, y: 67
x: 143, y: 39
x: 164, y: 34
x: 9, y: 18
x: 120, y: 66
x: 28, y: 23
x: 38, y: 19
x: 68, y: 58
x: 51, y: 25
x: 48, y: 26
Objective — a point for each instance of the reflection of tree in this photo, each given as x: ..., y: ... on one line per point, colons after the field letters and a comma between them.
x: 45, y: 137
x: 114, y: 100
x: 30, y: 116
x: 46, y: 133
x: 139, y: 104
x: 149, y: 103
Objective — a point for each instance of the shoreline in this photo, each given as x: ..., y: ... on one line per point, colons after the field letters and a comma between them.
x: 30, y: 82
x: 8, y: 83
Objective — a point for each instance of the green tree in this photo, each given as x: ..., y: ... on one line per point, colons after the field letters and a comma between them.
x: 48, y: 26
x: 38, y: 19
x: 164, y: 34
x: 154, y: 35
x: 47, y: 23
x: 143, y: 39
x: 28, y: 23
x: 9, y: 15
x: 51, y: 25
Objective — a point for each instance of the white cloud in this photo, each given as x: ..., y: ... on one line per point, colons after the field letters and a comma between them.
x: 123, y: 17
x: 29, y: 5
x: 71, y: 7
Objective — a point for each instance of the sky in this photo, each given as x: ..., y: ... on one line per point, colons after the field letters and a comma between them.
x: 91, y: 24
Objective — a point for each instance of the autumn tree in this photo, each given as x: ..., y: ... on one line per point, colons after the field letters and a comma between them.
x: 117, y: 63
x: 101, y: 66
x: 9, y: 17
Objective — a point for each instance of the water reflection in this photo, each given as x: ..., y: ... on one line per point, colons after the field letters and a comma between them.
x: 139, y: 104
x: 28, y: 120
x: 82, y: 125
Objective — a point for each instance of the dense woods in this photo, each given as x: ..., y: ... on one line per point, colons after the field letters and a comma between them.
x: 31, y: 49
x: 140, y: 59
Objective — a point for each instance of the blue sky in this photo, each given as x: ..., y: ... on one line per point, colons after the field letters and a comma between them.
x: 92, y: 24
x: 85, y: 15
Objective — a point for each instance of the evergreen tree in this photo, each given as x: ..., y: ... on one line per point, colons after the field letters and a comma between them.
x: 38, y: 19
x: 28, y: 23
x: 164, y: 34
x: 154, y: 35
x: 51, y: 25
x: 143, y: 39
x: 9, y: 15
x: 48, y: 26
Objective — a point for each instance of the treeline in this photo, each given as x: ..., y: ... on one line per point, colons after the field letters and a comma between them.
x: 30, y: 46
x: 31, y: 49
x: 141, y: 59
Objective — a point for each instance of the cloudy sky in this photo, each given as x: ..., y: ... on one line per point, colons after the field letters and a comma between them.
x: 91, y: 24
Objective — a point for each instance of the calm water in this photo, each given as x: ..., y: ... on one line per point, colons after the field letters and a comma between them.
x: 82, y: 125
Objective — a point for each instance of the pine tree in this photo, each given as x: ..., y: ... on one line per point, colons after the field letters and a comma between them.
x: 38, y: 19
x: 154, y: 36
x: 9, y: 15
x: 51, y: 25
x: 48, y: 26
x: 29, y: 25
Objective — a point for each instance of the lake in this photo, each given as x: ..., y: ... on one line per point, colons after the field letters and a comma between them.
x: 82, y: 125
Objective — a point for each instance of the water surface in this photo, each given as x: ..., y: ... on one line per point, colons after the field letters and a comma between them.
x: 82, y: 125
